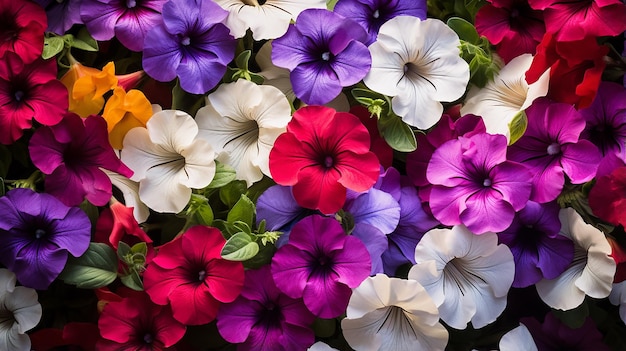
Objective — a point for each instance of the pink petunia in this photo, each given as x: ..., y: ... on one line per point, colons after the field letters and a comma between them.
x: 22, y: 25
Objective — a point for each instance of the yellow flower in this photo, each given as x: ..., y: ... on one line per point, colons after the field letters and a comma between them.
x: 86, y: 87
x: 124, y: 111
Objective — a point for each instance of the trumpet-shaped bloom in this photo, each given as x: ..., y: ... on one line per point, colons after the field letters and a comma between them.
x: 505, y: 96
x: 591, y: 271
x: 322, y: 154
x: 87, y: 86
x: 72, y: 154
x: 418, y: 63
x: 37, y: 232
x: 19, y: 312
x: 27, y: 92
x: 468, y: 276
x: 320, y: 264
x: 196, y: 49
x: 190, y: 275
x: 22, y: 25
x: 266, y: 19
x: 168, y: 160
x: 242, y: 121
x: 393, y: 314
x: 125, y: 111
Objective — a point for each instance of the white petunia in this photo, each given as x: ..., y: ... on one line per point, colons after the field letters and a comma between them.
x: 618, y: 298
x: 392, y: 314
x: 242, y: 121
x: 20, y: 312
x: 418, y: 63
x: 467, y: 275
x: 504, y: 97
x: 321, y: 346
x: 168, y: 160
x: 130, y: 191
x: 518, y: 339
x: 268, y: 19
x: 590, y: 273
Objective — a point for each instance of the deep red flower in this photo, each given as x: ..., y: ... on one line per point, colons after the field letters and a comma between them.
x: 189, y: 274
x: 607, y: 198
x: 28, y: 91
x: 75, y: 336
x: 619, y: 255
x: 378, y: 145
x: 117, y: 223
x: 575, y: 69
x: 322, y: 154
x: 22, y: 25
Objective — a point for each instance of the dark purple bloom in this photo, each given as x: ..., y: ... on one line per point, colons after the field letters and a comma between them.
x: 324, y: 52
x: 554, y: 335
x: 263, y: 318
x: 62, y: 14
x: 475, y: 185
x: 127, y: 20
x: 551, y: 148
x: 195, y: 48
x: 72, y: 154
x: 538, y: 249
x: 321, y: 265
x: 371, y: 14
x: 36, y: 233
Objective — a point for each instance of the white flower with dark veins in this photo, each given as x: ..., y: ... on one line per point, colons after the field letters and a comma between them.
x: 20, y: 312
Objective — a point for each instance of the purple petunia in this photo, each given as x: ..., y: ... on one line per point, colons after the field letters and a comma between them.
x: 194, y: 48
x: 37, y: 232
x: 321, y: 264
x: 62, y: 14
x: 474, y: 184
x: 551, y: 148
x: 324, y: 52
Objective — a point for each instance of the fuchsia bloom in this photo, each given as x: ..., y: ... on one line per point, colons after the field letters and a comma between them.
x: 551, y: 148
x: 322, y: 154
x: 263, y: 318
x: 475, y: 185
x: 29, y: 91
x: 189, y: 274
x: 321, y: 264
x: 22, y: 25
x: 71, y: 154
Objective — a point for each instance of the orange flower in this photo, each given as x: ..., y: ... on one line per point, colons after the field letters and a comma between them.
x: 86, y: 87
x: 124, y: 111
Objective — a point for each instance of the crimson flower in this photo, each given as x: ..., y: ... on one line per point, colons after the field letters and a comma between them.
x: 190, y: 274
x: 322, y: 154
x: 606, y: 198
x: 22, y: 24
x: 27, y: 91
x: 116, y: 223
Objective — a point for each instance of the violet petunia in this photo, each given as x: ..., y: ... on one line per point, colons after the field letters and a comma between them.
x: 551, y: 149
x: 324, y: 52
x: 196, y: 49
x: 72, y: 155
x: 37, y: 232
x: 62, y: 14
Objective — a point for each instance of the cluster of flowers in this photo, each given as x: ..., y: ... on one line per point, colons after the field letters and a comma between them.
x: 312, y: 175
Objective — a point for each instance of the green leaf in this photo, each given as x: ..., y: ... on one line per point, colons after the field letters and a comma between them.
x: 244, y: 211
x: 52, y: 46
x: 231, y: 192
x: 517, y: 126
x: 133, y: 281
x: 203, y: 215
x: 84, y: 37
x: 79, y: 44
x: 262, y: 258
x: 92, y: 212
x: 464, y: 29
x: 574, y: 318
x: 242, y: 60
x: 397, y: 134
x: 224, y: 174
x: 240, y: 247
x: 256, y: 189
x: 184, y: 101
x: 96, y: 268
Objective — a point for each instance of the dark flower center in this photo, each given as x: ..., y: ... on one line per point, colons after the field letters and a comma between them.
x: 487, y: 182
x: 6, y: 319
x: 131, y: 3
x: 528, y: 237
x: 202, y: 275
x: 554, y: 149
x: 148, y: 339
x: 376, y: 14
x: 326, y: 56
x: 605, y: 137
x: 19, y: 95
x: 185, y: 41
x: 328, y: 161
x: 39, y: 233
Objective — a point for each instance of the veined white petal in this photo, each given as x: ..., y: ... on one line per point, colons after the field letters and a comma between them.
x: 130, y: 191
x: 11, y: 339
x: 23, y: 303
x: 172, y: 129
x: 162, y: 189
x: 20, y: 311
x: 518, y: 339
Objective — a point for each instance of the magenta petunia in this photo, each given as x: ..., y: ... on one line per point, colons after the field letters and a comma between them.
x: 321, y: 264
x: 22, y: 26
x: 475, y: 185
x: 71, y: 154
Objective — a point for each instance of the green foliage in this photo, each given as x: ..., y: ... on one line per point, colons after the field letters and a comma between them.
x: 240, y: 247
x: 224, y: 174
x: 96, y: 268
x: 465, y: 9
x: 135, y: 260
x: 242, y: 211
x: 184, y: 101
x: 517, y: 126
x: 242, y: 70
x: 61, y: 45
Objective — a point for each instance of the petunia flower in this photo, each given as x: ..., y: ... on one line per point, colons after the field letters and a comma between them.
x: 22, y: 26
x: 372, y: 14
x: 606, y: 198
x: 553, y: 334
x: 551, y: 149
x: 27, y: 92
x: 517, y: 339
x: 62, y: 15
x: 116, y: 223
x: 324, y: 52
x: 78, y: 336
x: 168, y: 160
x: 267, y: 19
x: 467, y: 275
x: 20, y: 311
x: 87, y: 86
x: 130, y: 193
x: 124, y: 111
x: 72, y: 154
x: 37, y: 233
x: 322, y: 154
x: 127, y: 20
x: 474, y: 183
x: 263, y: 318
x: 320, y: 264
x: 392, y: 314
x: 418, y: 63
x: 618, y: 298
x: 321, y: 346
x: 242, y: 120
x: 196, y: 49
x: 590, y: 273
x: 505, y: 96
x: 189, y: 274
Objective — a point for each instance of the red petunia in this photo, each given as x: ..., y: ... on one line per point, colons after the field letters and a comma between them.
x: 117, y: 223
x: 22, y: 25
x: 607, y: 198
x: 322, y: 154
x: 189, y: 274
x: 378, y: 145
